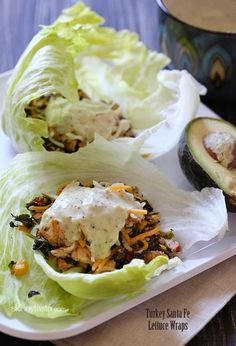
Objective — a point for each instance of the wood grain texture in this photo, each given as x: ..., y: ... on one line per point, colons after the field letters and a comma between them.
x: 19, y: 22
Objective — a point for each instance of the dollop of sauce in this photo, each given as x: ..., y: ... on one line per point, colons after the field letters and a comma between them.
x: 81, y: 120
x: 222, y: 147
x: 97, y: 212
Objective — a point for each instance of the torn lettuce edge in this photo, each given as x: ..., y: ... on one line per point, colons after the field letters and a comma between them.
x: 129, y: 279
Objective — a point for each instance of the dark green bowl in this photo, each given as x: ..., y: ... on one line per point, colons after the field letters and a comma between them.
x: 209, y: 56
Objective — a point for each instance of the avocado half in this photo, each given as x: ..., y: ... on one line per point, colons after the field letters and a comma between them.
x: 207, y: 156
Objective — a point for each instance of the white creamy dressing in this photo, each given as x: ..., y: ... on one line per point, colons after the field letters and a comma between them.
x: 99, y: 213
x: 81, y: 120
x: 222, y: 144
x: 215, y: 15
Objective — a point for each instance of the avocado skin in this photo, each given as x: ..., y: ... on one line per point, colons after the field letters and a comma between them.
x: 195, y: 173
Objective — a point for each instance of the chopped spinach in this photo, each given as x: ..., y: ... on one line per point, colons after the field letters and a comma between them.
x: 25, y: 219
x: 148, y: 206
x: 43, y: 246
x: 11, y: 264
x: 33, y: 293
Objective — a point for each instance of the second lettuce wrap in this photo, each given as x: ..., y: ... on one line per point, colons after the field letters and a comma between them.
x: 77, y: 53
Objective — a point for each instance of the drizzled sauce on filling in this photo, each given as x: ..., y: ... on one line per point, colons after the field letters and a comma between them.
x: 95, y: 227
x: 97, y: 212
x: 82, y: 119
x: 73, y: 125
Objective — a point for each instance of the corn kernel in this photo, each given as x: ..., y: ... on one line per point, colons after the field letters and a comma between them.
x: 20, y: 268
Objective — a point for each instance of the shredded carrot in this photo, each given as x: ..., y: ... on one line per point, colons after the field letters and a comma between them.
x: 120, y: 188
x: 138, y: 211
x: 109, y: 266
x: 144, y: 235
x: 125, y: 235
x: 126, y: 246
x: 100, y: 263
x: 82, y: 243
x: 96, y: 264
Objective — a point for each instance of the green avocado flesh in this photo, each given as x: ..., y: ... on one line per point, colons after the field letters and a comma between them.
x: 207, y: 156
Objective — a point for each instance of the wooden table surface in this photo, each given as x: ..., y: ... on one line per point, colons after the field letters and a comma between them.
x: 19, y: 21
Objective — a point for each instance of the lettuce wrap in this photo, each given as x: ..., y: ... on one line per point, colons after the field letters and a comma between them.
x: 110, y: 67
x: 194, y: 216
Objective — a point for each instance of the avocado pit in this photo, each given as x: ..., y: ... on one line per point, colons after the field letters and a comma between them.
x: 221, y: 146
x: 207, y: 156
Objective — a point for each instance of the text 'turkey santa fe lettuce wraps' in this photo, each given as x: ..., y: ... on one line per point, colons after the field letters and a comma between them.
x: 42, y: 289
x: 76, y: 78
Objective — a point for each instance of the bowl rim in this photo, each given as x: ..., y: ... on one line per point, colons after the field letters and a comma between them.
x: 164, y: 9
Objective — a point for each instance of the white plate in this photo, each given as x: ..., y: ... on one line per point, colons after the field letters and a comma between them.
x: 201, y: 257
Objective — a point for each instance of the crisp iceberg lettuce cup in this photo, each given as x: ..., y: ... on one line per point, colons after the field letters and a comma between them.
x: 194, y: 216
x: 76, y: 52
x: 127, y: 280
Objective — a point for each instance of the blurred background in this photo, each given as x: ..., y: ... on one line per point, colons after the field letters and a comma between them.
x: 20, y: 20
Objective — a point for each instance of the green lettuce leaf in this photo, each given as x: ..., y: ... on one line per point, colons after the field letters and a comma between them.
x: 46, y: 67
x: 30, y: 174
x: 48, y: 72
x: 106, y: 285
x: 75, y: 52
